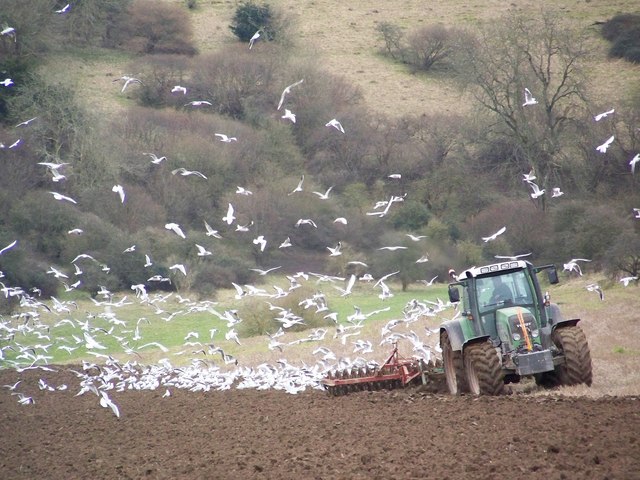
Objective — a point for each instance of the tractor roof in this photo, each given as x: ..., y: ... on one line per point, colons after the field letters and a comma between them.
x: 492, y: 269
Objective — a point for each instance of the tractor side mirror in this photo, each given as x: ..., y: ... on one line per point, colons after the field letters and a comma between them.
x: 454, y: 294
x: 552, y: 275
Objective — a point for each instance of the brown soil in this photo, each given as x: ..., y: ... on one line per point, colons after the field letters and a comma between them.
x: 271, y: 434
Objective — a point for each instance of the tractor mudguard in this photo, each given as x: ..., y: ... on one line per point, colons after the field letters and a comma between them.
x: 456, y: 335
x: 569, y: 322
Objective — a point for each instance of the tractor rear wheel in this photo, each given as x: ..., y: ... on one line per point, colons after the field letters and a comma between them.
x: 572, y: 342
x: 453, y: 367
x: 483, y: 370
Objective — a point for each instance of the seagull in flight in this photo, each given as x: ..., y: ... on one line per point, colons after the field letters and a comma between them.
x: 626, y: 280
x: 289, y: 115
x: 26, y: 122
x: 179, y: 266
x: 306, y: 221
x: 633, y: 162
x: 64, y: 9
x: 184, y: 172
x: 8, y: 247
x: 603, y: 148
x: 594, y: 287
x: 335, y: 124
x: 537, y: 191
x: 127, y: 80
x: 59, y: 196
x: 325, y: 195
x: 264, y: 272
x: 286, y: 91
x: 286, y: 243
x: 203, y: 252
x: 6, y: 82
x: 600, y: 116
x: 298, y: 187
x: 225, y: 138
x: 174, y: 227
x: 512, y: 257
x: 528, y: 98
x: 572, y: 265
x: 416, y: 238
x: 254, y: 38
x: 243, y: 191
x: 557, y: 192
x: 494, y: 236
x: 528, y: 177
x: 154, y: 158
x: 198, y: 103
x: 179, y: 89
x: 229, y: 217
x: 210, y: 232
x: 120, y: 191
x: 260, y: 240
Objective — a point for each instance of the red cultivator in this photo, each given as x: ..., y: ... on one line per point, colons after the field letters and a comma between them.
x: 396, y: 372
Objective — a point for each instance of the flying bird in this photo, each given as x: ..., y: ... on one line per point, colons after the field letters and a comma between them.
x: 184, y: 172
x: 243, y: 191
x: 26, y: 122
x: 298, y: 187
x: 210, y: 232
x: 202, y: 252
x: 528, y: 98
x: 557, y: 192
x: 626, y: 280
x: 225, y: 138
x: 59, y: 196
x: 572, y: 265
x: 335, y: 124
x: 229, y: 217
x: 8, y: 247
x: 120, y: 191
x: 174, y: 227
x: 495, y: 235
x: 600, y: 116
x: 127, y: 80
x: 6, y: 82
x: 179, y: 89
x: 64, y: 9
x: 180, y: 267
x: 253, y: 39
x: 325, y: 195
x: 198, y: 103
x: 633, y: 161
x: 289, y: 115
x: 594, y: 287
x: 154, y: 158
x: 537, y: 191
x: 603, y: 148
x: 286, y: 91
x: 260, y: 240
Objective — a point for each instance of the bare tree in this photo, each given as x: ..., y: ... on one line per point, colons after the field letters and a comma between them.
x: 545, y: 56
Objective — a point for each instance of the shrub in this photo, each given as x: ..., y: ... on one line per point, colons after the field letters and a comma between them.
x: 156, y: 27
x: 431, y: 46
x: 249, y: 18
x: 624, y: 32
x: 392, y: 36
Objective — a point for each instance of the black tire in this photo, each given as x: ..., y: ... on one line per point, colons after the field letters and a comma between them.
x: 483, y: 370
x: 453, y: 367
x: 577, y: 369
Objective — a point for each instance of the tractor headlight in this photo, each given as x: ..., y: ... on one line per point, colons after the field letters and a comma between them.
x: 516, y: 337
x: 535, y: 333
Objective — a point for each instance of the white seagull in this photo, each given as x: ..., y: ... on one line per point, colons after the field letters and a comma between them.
x: 289, y: 115
x: 626, y: 280
x: 202, y: 252
x: 633, y: 161
x: 603, y: 148
x: 306, y: 221
x: 600, y: 116
x: 8, y: 247
x: 325, y: 195
x: 120, y: 191
x: 494, y: 236
x: 298, y: 187
x: 225, y: 138
x: 537, y: 191
x: 572, y: 265
x: 59, y: 196
x: 198, y: 103
x: 260, y: 240
x: 229, y: 217
x: 6, y: 82
x: 154, y: 158
x: 127, y: 80
x: 243, y: 191
x: 179, y: 266
x: 210, y: 232
x: 174, y: 227
x: 26, y: 122
x: 184, y: 172
x: 286, y: 91
x: 253, y: 39
x: 528, y: 98
x: 557, y: 192
x: 335, y: 124
x: 179, y: 89
x: 64, y: 9
x: 286, y: 243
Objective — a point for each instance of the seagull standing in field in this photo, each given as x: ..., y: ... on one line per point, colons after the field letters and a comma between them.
x: 154, y: 158
x: 286, y: 91
x: 229, y: 217
x: 528, y: 98
x: 120, y: 191
x: 633, y: 161
x: 335, y: 124
x: 289, y: 115
x: 174, y: 227
x: 494, y: 236
x: 603, y: 148
x: 59, y: 196
x: 600, y: 116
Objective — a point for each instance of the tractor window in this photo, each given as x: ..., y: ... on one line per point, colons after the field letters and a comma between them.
x: 503, y: 290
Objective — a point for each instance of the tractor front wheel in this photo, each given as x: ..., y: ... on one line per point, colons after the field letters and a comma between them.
x: 453, y: 367
x: 576, y: 369
x: 483, y: 370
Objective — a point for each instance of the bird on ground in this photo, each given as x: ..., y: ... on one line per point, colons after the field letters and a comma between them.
x: 494, y: 236
x: 626, y: 280
x: 325, y: 195
x: 225, y: 138
x: 603, y: 148
x: 528, y: 98
x: 600, y: 116
x: 179, y: 89
x: 26, y: 122
x: 261, y: 241
x: 127, y: 80
x: 184, y: 172
x: 229, y: 217
x: 335, y: 124
x: 154, y: 158
x: 633, y: 161
x: 120, y: 191
x: 594, y: 287
x: 289, y: 115
x: 286, y: 91
x: 298, y: 187
x: 59, y: 196
x: 203, y: 252
x: 537, y: 191
x: 254, y: 38
x: 243, y: 191
x: 8, y: 247
x: 572, y: 265
x: 180, y: 267
x: 198, y: 103
x: 556, y: 192
x: 174, y: 227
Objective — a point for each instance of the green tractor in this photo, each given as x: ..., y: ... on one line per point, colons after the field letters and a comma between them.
x: 507, y: 329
